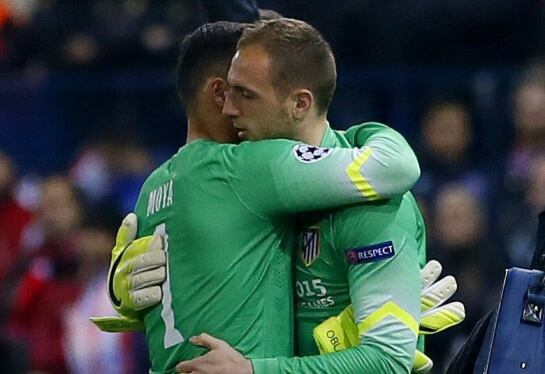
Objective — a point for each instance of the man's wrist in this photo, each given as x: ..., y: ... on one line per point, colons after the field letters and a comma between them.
x: 250, y: 366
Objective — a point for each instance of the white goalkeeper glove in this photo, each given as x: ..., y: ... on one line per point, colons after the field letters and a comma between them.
x: 137, y: 269
x: 435, y: 317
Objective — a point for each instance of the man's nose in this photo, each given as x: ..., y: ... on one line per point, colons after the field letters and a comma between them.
x: 229, y: 109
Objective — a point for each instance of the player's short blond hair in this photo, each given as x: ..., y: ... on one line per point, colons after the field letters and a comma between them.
x: 300, y: 57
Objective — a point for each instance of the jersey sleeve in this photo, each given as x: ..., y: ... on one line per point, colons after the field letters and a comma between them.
x: 381, y: 250
x: 281, y: 176
x: 388, y: 165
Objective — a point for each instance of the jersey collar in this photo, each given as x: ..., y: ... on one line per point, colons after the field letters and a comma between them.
x: 329, y: 139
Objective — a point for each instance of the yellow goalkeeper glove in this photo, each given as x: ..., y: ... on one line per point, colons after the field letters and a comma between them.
x: 434, y: 317
x: 137, y: 269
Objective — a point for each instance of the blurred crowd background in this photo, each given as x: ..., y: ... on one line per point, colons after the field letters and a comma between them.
x: 88, y: 108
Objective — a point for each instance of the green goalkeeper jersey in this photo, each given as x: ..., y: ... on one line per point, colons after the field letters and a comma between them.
x: 368, y: 255
x: 226, y: 213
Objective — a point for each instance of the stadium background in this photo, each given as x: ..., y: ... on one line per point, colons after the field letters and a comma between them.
x: 88, y: 108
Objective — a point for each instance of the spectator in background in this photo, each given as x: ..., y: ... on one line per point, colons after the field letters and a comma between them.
x: 5, y: 25
x: 94, y: 35
x: 48, y: 281
x: 529, y: 121
x: 131, y: 164
x: 524, y: 169
x: 15, y: 20
x: 87, y: 349
x: 517, y: 221
x: 446, y: 153
x: 92, y: 171
x: 13, y: 218
x: 112, y: 170
x: 458, y: 240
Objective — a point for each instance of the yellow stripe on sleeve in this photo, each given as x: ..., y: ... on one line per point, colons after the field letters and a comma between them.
x: 388, y: 309
x: 357, y: 178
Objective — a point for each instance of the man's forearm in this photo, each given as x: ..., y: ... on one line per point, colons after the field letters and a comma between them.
x: 365, y: 359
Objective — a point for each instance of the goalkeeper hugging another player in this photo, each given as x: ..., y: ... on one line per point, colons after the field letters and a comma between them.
x: 225, y: 223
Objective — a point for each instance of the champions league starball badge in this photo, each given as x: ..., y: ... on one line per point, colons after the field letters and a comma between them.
x: 308, y: 153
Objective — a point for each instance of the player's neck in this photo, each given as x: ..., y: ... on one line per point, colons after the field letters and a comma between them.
x: 205, y: 119
x: 215, y: 130
x: 193, y: 135
x: 196, y: 127
x: 311, y: 131
x: 196, y: 130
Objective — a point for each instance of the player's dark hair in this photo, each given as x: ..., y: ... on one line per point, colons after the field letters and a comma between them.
x: 300, y: 57
x: 205, y: 52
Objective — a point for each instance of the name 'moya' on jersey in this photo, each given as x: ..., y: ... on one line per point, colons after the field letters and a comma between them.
x: 225, y: 212
x: 160, y: 198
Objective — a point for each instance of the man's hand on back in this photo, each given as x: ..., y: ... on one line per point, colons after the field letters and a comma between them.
x: 221, y: 359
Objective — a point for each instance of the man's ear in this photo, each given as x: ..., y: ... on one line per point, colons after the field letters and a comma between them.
x: 218, y: 86
x: 302, y: 101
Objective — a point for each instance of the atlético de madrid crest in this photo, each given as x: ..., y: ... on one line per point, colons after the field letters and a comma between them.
x: 310, y: 245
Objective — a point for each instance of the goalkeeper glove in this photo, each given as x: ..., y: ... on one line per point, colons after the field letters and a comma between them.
x: 434, y: 317
x: 137, y: 269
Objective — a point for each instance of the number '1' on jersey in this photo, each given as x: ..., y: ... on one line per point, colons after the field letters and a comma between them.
x: 226, y: 214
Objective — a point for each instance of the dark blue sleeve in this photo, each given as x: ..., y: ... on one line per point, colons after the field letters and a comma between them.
x: 230, y: 10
